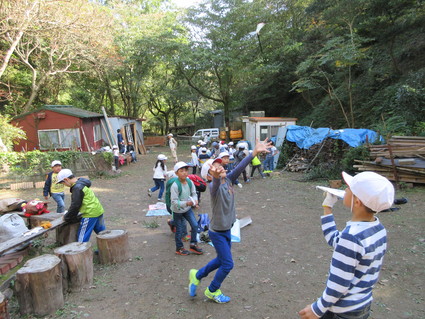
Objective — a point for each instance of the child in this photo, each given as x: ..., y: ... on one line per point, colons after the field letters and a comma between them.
x: 223, y: 217
x: 159, y: 175
x: 173, y: 146
x: 256, y: 164
x: 358, y: 250
x: 116, y: 153
x: 130, y: 149
x: 204, y: 156
x: 181, y: 205
x: 195, y: 160
x: 269, y: 161
x: 53, y: 189
x: 83, y: 201
x: 240, y: 154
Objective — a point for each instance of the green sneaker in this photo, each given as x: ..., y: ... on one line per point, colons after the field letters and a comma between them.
x: 217, y: 296
x: 193, y: 282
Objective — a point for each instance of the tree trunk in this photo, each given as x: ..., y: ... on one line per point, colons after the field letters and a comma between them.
x: 34, y: 91
x: 38, y: 286
x: 77, y: 266
x: 67, y: 233
x: 4, y: 313
x: 113, y: 246
x: 10, y: 52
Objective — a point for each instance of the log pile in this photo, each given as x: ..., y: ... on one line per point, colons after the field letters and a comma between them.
x: 401, y: 160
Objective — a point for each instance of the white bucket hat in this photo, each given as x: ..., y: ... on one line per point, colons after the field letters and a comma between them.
x: 56, y: 162
x: 161, y: 157
x: 193, y: 147
x: 206, y: 166
x: 65, y: 173
x: 180, y: 165
x: 223, y: 154
x: 375, y: 191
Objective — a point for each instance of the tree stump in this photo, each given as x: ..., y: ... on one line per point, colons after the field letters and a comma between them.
x: 113, y: 246
x: 38, y: 286
x: 77, y: 265
x: 4, y: 313
x: 67, y: 233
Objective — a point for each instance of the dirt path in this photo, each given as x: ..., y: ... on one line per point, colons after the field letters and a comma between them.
x: 280, y: 265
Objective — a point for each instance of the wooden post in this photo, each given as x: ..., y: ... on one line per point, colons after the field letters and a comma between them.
x: 77, y: 265
x: 113, y: 246
x: 38, y: 286
x: 67, y: 233
x: 4, y: 313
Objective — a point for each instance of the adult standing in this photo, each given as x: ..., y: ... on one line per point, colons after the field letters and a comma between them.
x: 173, y: 146
x: 120, y: 141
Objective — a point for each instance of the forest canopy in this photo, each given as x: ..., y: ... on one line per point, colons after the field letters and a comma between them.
x: 339, y: 63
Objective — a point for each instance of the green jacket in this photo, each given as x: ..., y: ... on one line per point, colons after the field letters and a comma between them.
x: 83, y: 201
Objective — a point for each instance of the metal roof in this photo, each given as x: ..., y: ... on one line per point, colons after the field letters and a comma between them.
x: 64, y: 109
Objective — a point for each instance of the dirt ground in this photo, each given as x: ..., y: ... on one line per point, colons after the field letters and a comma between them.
x: 280, y: 265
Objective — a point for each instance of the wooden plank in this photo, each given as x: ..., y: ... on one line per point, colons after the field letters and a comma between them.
x: 14, y: 242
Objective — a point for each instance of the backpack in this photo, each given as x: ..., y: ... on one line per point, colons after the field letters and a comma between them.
x: 200, y: 184
x: 170, y: 182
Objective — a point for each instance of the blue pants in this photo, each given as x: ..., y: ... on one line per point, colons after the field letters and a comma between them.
x: 59, y: 199
x: 87, y: 225
x: 362, y: 313
x: 159, y: 184
x: 223, y: 262
x: 181, y: 227
x: 133, y: 156
x: 269, y: 164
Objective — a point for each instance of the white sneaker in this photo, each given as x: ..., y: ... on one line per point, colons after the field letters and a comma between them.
x: 240, y: 185
x: 149, y: 192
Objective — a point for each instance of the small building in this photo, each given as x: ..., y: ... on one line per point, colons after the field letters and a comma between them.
x: 263, y: 127
x: 60, y: 127
x: 65, y: 127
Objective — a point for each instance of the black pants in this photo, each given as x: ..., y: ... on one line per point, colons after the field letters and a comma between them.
x: 260, y: 170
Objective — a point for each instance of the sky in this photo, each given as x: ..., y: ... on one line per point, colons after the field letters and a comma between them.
x: 186, y: 3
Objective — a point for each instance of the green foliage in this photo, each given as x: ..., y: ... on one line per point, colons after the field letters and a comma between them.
x: 108, y: 157
x: 37, y: 162
x: 10, y: 134
x: 354, y: 153
x: 324, y: 170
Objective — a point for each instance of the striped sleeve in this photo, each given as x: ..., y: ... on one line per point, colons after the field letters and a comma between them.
x: 348, y: 252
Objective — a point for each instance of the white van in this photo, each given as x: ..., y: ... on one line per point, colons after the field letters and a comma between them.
x: 200, y: 134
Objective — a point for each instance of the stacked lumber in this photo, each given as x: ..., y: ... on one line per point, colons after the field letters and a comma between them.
x: 401, y: 146
x: 401, y: 160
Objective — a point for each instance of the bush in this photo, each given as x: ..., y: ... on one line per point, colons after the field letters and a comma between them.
x: 355, y: 153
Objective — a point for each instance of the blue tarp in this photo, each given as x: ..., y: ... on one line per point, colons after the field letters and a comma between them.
x: 305, y: 136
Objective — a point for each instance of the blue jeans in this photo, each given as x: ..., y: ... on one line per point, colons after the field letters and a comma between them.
x: 361, y: 313
x: 159, y: 184
x: 269, y: 164
x: 223, y: 262
x: 181, y: 227
x: 60, y: 200
x: 133, y: 156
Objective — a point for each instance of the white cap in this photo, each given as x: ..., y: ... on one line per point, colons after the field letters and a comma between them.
x: 56, y: 162
x: 207, y: 165
x: 65, y: 173
x: 241, y: 146
x: 114, y: 146
x: 231, y: 143
x: 200, y: 141
x: 223, y: 154
x: 375, y: 191
x: 193, y: 147
x: 161, y: 157
x: 170, y: 134
x: 203, y: 143
x: 180, y: 165
x: 203, y: 149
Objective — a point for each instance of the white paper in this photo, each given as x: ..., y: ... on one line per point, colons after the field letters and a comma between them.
x: 337, y: 192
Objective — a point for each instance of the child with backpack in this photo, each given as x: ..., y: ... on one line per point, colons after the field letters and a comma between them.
x: 195, y: 160
x: 180, y: 197
x: 159, y: 175
x: 223, y: 217
x: 200, y: 185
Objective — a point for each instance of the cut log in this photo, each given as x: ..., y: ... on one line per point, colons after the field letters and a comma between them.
x: 67, y: 233
x: 77, y: 266
x: 38, y: 286
x: 113, y: 246
x: 4, y: 313
x: 36, y: 220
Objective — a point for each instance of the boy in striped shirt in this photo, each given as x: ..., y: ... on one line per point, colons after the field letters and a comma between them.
x: 358, y: 249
